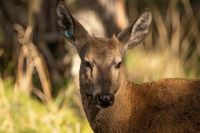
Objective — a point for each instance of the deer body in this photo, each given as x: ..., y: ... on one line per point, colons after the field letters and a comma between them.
x: 163, y: 106
x: 114, y: 105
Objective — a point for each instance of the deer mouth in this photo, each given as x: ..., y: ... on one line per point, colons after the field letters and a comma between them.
x: 104, y: 101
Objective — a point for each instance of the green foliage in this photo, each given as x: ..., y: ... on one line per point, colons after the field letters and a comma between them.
x: 20, y: 113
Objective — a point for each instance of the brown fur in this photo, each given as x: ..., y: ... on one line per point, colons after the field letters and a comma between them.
x: 162, y: 106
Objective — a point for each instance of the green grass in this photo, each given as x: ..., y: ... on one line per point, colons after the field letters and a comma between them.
x: 21, y: 113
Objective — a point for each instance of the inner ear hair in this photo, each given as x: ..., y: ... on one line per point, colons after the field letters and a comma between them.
x: 140, y: 28
x: 137, y: 31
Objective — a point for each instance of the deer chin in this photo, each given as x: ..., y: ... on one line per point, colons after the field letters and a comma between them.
x: 102, y: 106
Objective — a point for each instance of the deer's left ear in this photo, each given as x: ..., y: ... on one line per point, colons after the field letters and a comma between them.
x: 137, y: 31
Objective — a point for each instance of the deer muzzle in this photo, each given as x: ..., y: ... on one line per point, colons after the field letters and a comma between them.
x: 104, y: 100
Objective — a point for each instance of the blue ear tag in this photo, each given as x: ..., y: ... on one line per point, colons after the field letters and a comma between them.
x: 69, y: 33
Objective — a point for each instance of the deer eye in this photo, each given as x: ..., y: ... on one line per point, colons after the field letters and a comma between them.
x: 87, y: 64
x: 118, y: 65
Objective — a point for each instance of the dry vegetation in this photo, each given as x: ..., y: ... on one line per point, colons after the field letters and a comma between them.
x: 172, y: 49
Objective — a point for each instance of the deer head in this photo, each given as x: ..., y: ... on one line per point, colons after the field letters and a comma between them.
x: 101, y: 58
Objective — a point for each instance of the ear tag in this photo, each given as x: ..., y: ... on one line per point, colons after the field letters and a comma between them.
x: 69, y: 33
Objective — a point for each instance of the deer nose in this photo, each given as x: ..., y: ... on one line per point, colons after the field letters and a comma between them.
x: 104, y: 100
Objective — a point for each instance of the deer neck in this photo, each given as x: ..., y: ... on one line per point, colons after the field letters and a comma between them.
x: 122, y: 79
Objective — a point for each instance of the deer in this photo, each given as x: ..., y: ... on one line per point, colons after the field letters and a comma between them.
x: 112, y: 103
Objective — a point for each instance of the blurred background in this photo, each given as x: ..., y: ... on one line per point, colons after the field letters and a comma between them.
x: 39, y: 91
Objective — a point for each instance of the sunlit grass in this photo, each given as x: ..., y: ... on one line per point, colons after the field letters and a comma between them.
x: 143, y: 66
x: 20, y: 113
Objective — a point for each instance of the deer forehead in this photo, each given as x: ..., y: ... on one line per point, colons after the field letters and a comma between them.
x: 103, y: 50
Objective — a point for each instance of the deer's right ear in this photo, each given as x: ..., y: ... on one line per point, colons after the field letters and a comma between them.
x: 70, y: 27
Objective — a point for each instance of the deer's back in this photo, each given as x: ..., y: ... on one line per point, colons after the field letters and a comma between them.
x: 163, y: 106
